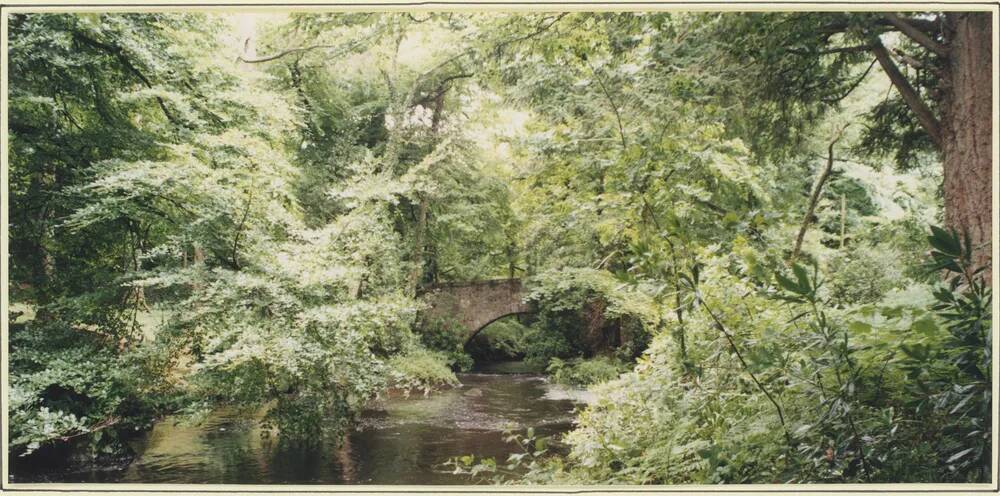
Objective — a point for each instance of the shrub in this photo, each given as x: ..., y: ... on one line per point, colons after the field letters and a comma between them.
x: 421, y: 369
x: 505, y: 339
x: 801, y: 391
x: 584, y: 372
x: 864, y: 275
x: 442, y: 335
x: 66, y: 383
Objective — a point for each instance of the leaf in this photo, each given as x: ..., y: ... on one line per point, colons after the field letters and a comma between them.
x: 944, y: 242
x: 787, y: 284
x: 959, y: 455
x: 540, y: 444
x: 858, y: 327
x: 926, y: 325
x: 803, y: 278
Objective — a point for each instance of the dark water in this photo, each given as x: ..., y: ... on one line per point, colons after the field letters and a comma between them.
x: 398, y: 440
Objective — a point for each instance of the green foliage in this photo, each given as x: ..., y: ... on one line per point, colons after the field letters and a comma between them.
x: 193, y: 204
x: 443, y: 336
x: 873, y: 393
x: 584, y: 372
x: 504, y: 339
x: 70, y: 382
x: 863, y: 274
x: 421, y: 369
x: 532, y: 458
x: 645, y: 174
x: 579, y: 308
x: 786, y: 80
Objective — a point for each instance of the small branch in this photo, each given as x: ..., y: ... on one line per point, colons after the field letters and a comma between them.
x: 843, y: 220
x: 711, y: 206
x: 418, y: 21
x: 420, y: 79
x: 916, y: 35
x: 604, y: 261
x: 814, y: 197
x: 854, y: 86
x: 614, y: 107
x: 736, y: 350
x: 104, y: 424
x: 276, y: 56
x: 341, y: 50
x: 125, y: 62
x: 925, y: 25
x: 831, y: 51
x: 239, y: 229
x: 908, y: 60
x: 910, y: 96
x: 541, y: 29
x: 442, y: 88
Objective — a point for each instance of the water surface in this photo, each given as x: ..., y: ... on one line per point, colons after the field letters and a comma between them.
x: 397, y: 440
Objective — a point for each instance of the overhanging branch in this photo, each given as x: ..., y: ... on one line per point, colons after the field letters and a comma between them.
x: 831, y: 51
x: 123, y: 59
x: 910, y: 96
x: 341, y: 49
x: 915, y: 34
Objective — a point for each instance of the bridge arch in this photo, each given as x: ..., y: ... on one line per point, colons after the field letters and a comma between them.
x: 475, y: 305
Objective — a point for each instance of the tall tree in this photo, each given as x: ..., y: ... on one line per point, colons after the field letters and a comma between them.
x: 800, y: 65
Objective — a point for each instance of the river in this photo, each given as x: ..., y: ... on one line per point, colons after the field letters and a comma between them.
x: 396, y: 441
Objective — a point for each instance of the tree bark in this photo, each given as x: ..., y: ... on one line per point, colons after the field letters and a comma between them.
x: 967, y: 113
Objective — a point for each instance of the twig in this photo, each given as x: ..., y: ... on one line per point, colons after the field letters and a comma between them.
x: 736, y: 350
x: 239, y: 229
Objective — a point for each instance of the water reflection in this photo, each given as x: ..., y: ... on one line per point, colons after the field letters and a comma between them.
x: 397, y: 441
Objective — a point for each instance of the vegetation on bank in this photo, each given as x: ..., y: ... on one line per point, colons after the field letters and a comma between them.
x: 895, y: 391
x: 723, y: 221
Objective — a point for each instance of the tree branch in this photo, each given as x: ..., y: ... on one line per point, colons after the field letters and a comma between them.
x: 239, y: 229
x: 614, y: 107
x: 910, y: 96
x: 541, y: 29
x: 853, y: 87
x: 831, y: 51
x: 923, y: 25
x: 281, y: 54
x: 915, y: 34
x: 753, y: 377
x: 342, y: 49
x: 814, y: 197
x: 711, y: 206
x: 125, y: 62
x: 104, y: 424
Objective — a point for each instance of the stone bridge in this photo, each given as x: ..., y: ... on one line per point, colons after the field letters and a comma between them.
x: 474, y: 305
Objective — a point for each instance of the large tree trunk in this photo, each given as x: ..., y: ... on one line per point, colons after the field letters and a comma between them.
x: 967, y: 114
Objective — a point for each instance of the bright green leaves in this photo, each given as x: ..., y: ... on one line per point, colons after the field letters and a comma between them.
x: 802, y: 288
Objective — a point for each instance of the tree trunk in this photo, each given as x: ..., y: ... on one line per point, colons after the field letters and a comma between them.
x: 424, y: 205
x: 967, y: 114
x: 418, y: 243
